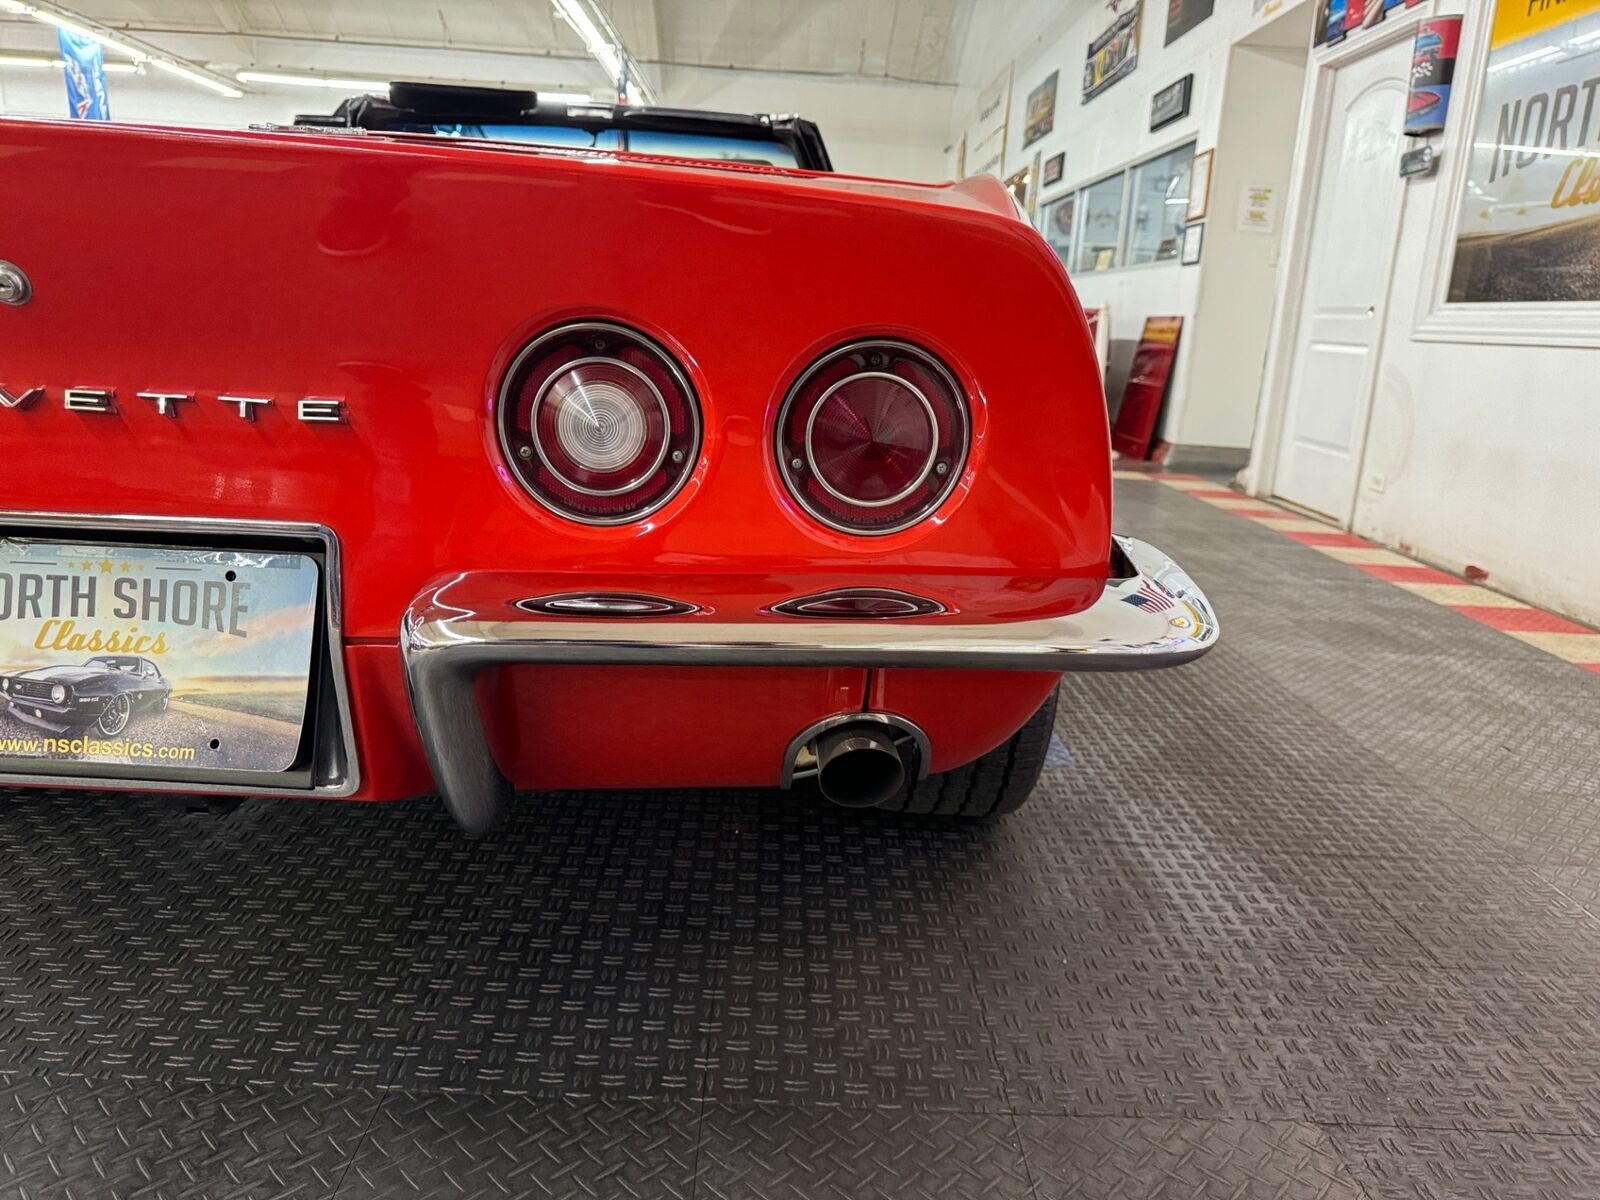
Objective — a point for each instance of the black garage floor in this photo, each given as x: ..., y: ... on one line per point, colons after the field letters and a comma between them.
x: 1314, y: 917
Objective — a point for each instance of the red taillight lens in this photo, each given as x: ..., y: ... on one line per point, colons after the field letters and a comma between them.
x: 873, y: 437
x: 598, y: 423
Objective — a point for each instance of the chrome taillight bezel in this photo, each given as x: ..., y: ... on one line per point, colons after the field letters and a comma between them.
x: 793, y: 481
x: 510, y: 385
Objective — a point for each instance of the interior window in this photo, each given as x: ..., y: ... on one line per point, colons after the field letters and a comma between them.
x: 1157, y: 207
x: 1058, y: 220
x: 1101, y: 234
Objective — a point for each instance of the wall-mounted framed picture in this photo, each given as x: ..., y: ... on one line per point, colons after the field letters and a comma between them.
x: 1528, y: 230
x: 1193, y: 235
x: 1171, y: 103
x: 1114, y: 54
x: 1199, y: 186
x: 1054, y: 168
x: 1040, y: 117
x: 1184, y: 15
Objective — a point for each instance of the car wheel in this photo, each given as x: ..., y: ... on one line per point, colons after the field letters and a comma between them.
x: 999, y: 782
x: 114, y: 717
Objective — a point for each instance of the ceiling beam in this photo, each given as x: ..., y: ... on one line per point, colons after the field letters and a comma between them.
x: 601, y: 39
x: 140, y: 51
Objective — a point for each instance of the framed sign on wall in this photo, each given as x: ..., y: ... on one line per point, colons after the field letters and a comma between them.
x: 1184, y: 15
x: 1040, y: 118
x: 1054, y: 167
x: 1199, y: 186
x: 1528, y: 229
x: 1114, y: 54
x: 1171, y: 103
x: 1192, y: 237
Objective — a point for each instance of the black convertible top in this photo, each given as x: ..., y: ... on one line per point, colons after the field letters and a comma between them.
x: 419, y: 107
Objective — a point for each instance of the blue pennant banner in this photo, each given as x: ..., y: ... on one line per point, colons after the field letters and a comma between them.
x: 86, y: 77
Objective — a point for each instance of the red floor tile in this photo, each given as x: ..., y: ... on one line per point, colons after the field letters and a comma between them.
x: 1408, y: 574
x: 1520, y: 620
x: 1264, y: 514
x: 1332, y: 538
x: 1216, y: 494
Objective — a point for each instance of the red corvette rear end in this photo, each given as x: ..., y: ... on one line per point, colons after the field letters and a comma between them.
x: 613, y: 472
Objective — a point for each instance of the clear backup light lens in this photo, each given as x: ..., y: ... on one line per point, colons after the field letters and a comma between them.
x: 872, y: 438
x: 598, y: 423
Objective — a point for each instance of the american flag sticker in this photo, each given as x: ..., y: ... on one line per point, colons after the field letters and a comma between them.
x: 1150, y: 598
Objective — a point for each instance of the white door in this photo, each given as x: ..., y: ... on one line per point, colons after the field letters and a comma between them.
x: 1355, y: 222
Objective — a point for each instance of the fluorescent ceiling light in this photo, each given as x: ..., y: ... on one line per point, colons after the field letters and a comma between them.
x: 314, y: 81
x: 39, y: 60
x: 605, y: 46
x: 61, y: 18
x: 193, y: 76
x: 593, y: 40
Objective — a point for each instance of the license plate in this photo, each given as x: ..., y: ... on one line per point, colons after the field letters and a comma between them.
x: 155, y: 657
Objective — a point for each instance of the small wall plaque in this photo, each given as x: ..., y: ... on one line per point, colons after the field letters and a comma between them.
x: 1171, y: 103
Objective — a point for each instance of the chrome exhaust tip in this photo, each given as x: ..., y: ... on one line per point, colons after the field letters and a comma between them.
x: 858, y: 760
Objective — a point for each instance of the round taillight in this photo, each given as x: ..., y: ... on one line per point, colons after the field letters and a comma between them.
x: 872, y: 437
x: 598, y: 423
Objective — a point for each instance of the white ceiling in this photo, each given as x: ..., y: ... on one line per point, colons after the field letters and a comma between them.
x: 906, y: 40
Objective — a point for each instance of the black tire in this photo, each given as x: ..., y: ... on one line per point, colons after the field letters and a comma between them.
x: 999, y: 782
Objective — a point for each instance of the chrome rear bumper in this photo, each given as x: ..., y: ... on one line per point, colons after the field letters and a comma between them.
x: 1155, y: 617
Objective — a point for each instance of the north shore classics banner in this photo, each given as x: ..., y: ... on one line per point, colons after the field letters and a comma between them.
x: 154, y: 657
x: 1530, y: 215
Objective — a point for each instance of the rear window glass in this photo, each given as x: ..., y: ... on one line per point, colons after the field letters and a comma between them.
x: 666, y: 145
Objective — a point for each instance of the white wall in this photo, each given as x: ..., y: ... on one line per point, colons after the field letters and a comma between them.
x: 1112, y: 131
x: 1478, y: 452
x: 872, y: 127
x: 1255, y: 145
x: 892, y: 130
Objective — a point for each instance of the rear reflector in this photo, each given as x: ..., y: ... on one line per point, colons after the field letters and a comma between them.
x: 858, y: 604
x: 606, y: 604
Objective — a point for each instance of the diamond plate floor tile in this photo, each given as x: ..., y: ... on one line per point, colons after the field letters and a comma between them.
x: 1487, y: 916
x: 1099, y: 1158
x: 1580, y: 884
x: 1429, y: 1165
x: 74, y: 1137
x: 849, y: 983
x: 775, y: 1152
x: 587, y: 968
x: 441, y: 1146
x: 1369, y: 1044
x: 1340, y: 877
x: 134, y: 939
x: 1269, y: 775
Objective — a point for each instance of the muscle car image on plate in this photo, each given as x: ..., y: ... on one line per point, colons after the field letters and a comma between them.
x: 598, y: 467
x: 106, y: 692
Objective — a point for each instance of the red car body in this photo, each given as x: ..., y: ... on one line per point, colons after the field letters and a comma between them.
x: 403, y: 275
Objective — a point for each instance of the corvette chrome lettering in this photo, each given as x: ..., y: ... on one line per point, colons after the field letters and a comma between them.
x: 95, y: 400
x: 165, y: 400
x: 310, y: 410
x: 21, y: 399
x: 246, y: 405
